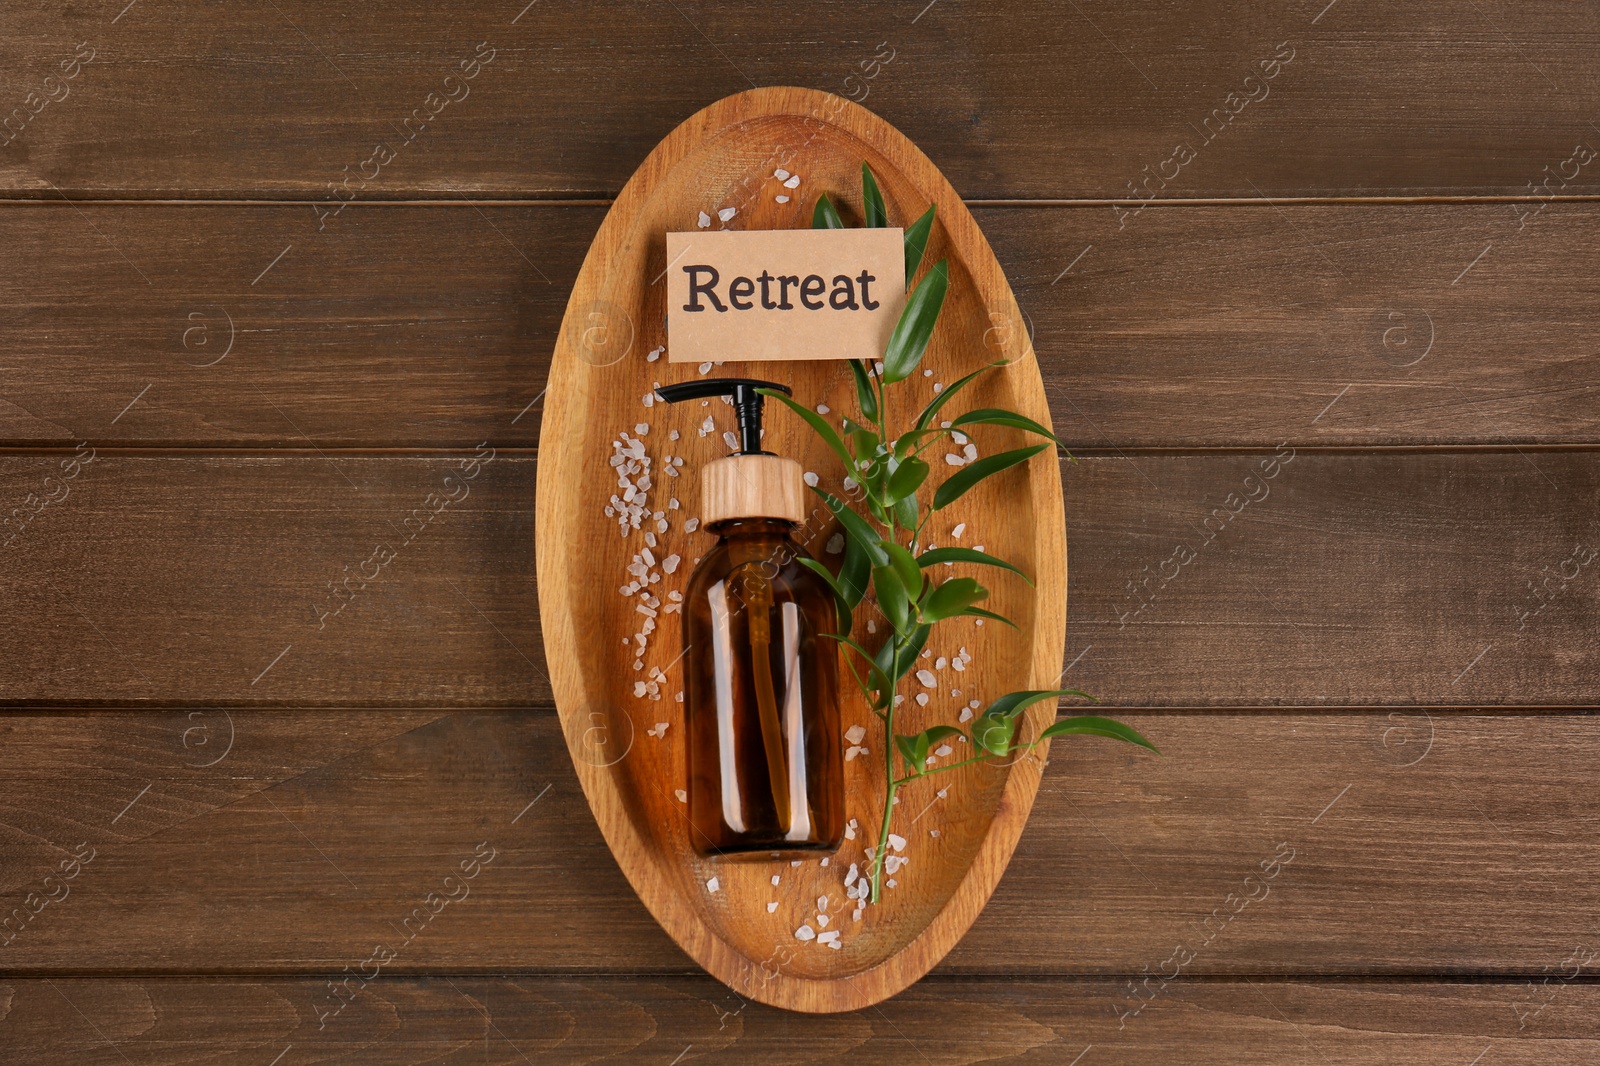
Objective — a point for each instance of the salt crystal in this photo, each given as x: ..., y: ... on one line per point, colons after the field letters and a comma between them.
x: 851, y: 752
x: 771, y: 907
x: 954, y: 460
x: 796, y: 862
x: 648, y: 556
x: 703, y: 221
x: 940, y: 663
x: 822, y: 903
x: 670, y: 563
x: 830, y: 938
x: 713, y: 885
x: 793, y: 182
x: 978, y: 622
x: 727, y: 213
x: 872, y: 625
x: 850, y: 832
x: 823, y: 920
x: 674, y: 435
x: 959, y: 437
x: 924, y: 676
x: 661, y: 729
x: 811, y: 478
x: 927, y: 373
x: 691, y: 525
x: 649, y: 399
x: 672, y: 504
x: 922, y: 699
x: 730, y: 440
x: 653, y: 354
x: 780, y: 174
x: 638, y: 688
x: 835, y: 544
x: 826, y: 860
x: 683, y: 797
x: 892, y: 883
x: 853, y: 873
x: 897, y: 842
x: 705, y: 368
x: 642, y: 428
x: 855, y: 733
x: 959, y: 664
x: 933, y: 833
x: 938, y: 387
x: 942, y: 750
x: 834, y: 945
x: 977, y: 547
x: 805, y: 932
x: 822, y: 408
x: 966, y: 714
x: 970, y: 451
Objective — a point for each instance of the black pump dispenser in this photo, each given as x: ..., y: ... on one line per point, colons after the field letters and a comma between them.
x: 747, y: 403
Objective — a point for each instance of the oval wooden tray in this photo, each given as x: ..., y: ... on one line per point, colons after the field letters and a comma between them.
x: 961, y: 827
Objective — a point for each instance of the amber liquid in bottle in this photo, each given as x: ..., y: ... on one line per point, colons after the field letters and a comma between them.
x: 761, y: 708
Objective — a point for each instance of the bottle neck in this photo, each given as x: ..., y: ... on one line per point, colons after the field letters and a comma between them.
x: 752, y: 527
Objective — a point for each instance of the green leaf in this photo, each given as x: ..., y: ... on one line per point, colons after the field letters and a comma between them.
x: 907, y: 747
x: 958, y: 484
x: 826, y: 216
x: 907, y: 478
x: 855, y: 573
x: 866, y: 395
x: 911, y: 334
x: 841, y: 604
x: 994, y: 734
x: 916, y: 242
x: 829, y: 435
x: 855, y: 527
x: 875, y: 674
x: 893, y: 598
x: 952, y: 598
x: 914, y: 749
x: 877, y: 217
x: 967, y: 555
x: 1098, y: 727
x: 909, y: 441
x: 910, y: 648
x: 905, y: 565
x: 905, y: 511
x: 979, y: 612
x: 995, y: 416
x: 1014, y: 703
x: 925, y: 419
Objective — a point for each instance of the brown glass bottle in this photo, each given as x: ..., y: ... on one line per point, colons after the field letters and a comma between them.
x: 761, y: 697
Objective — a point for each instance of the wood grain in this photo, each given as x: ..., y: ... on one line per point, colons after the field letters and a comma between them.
x: 1407, y: 844
x: 512, y: 1021
x: 1028, y: 100
x: 599, y: 653
x: 1361, y: 578
x: 430, y: 327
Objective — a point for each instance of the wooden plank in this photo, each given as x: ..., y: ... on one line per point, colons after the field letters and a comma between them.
x: 518, y: 1020
x: 433, y: 327
x: 1027, y: 100
x: 1342, y: 579
x: 1313, y: 843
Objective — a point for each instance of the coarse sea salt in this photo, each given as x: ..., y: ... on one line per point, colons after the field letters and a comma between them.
x: 727, y: 213
x: 703, y: 221
x: 830, y: 938
x: 776, y: 879
x: 782, y: 199
x: 683, y: 797
x: 855, y: 733
x: 897, y: 842
x: 771, y: 907
x: 713, y: 885
x: 924, y: 676
x: 811, y: 478
x: 961, y: 527
x: 835, y: 544
x: 805, y: 932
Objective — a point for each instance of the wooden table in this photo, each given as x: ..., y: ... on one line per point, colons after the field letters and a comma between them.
x: 1373, y: 836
